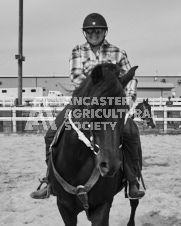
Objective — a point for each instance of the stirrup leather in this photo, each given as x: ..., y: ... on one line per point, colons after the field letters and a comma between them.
x: 43, y: 181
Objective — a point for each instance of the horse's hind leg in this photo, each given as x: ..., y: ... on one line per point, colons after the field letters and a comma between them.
x: 134, y: 203
x: 69, y: 218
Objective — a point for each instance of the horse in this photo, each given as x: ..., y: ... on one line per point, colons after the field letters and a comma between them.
x: 143, y: 112
x: 84, y: 168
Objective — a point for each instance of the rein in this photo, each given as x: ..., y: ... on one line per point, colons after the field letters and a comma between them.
x: 81, y: 190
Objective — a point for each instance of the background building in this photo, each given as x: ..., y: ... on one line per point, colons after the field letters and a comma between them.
x: 148, y: 85
x: 160, y: 85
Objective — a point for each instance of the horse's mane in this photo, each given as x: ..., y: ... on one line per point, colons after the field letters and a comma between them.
x: 102, y: 82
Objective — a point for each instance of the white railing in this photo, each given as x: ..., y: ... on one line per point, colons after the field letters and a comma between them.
x: 35, y: 114
x: 165, y: 119
x: 44, y: 114
x: 45, y: 101
x: 161, y: 101
x: 9, y: 101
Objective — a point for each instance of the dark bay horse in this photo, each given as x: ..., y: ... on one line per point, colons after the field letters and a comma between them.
x: 86, y: 158
x: 143, y: 111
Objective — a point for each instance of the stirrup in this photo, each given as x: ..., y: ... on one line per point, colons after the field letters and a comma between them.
x: 43, y: 181
x: 49, y: 190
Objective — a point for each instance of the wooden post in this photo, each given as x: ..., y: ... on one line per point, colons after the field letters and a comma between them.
x: 165, y: 119
x: 14, y: 120
x: 20, y: 56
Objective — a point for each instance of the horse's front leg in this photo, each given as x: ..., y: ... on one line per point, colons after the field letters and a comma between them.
x: 69, y: 217
x: 134, y: 203
x: 100, y: 215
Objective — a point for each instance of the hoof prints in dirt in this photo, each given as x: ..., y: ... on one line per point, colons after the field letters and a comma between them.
x: 154, y: 219
x: 153, y: 163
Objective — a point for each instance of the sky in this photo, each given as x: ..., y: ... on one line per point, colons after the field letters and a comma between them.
x: 148, y: 30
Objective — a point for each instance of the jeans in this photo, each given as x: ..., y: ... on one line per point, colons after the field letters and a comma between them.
x: 131, y: 145
x: 132, y: 150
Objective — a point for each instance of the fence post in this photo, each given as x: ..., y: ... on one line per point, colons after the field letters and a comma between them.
x: 165, y: 118
x: 14, y: 120
x: 46, y: 101
x: 161, y: 100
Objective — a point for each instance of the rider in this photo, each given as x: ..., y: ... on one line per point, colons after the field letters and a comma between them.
x: 82, y: 60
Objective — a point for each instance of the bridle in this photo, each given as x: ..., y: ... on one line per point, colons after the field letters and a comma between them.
x: 80, y: 191
x: 89, y: 143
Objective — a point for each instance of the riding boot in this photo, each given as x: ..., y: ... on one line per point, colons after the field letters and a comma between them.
x: 134, y: 192
x: 132, y: 149
x: 43, y: 193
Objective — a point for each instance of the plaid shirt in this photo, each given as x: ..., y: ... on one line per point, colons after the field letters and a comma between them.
x: 83, y: 60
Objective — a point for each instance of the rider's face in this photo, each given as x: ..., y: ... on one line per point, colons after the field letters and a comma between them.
x: 95, y: 35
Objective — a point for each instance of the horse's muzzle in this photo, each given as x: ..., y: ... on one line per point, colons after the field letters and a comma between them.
x: 107, y: 170
x: 151, y: 123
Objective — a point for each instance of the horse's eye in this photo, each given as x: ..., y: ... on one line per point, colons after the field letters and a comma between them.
x: 96, y: 149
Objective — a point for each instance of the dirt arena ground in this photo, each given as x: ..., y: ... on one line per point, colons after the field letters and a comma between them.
x: 22, y: 163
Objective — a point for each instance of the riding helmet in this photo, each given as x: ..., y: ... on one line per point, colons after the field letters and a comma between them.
x: 94, y: 20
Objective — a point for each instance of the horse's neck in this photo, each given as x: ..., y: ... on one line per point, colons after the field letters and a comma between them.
x: 69, y: 146
x: 73, y: 158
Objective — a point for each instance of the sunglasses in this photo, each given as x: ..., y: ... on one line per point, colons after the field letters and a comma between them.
x: 97, y: 31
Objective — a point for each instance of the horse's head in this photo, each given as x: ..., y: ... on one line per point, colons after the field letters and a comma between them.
x: 143, y: 111
x: 103, y: 110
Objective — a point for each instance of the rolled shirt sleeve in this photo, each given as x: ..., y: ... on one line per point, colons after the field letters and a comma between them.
x: 75, y: 64
x: 131, y: 88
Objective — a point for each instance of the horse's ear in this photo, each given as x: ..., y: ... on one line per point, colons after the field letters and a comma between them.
x: 147, y: 100
x: 128, y: 76
x: 96, y: 74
